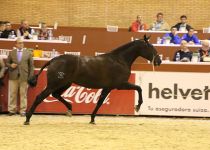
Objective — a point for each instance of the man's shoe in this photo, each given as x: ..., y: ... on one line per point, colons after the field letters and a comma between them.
x: 11, y: 114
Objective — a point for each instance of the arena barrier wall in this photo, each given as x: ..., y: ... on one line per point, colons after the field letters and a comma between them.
x: 164, y: 94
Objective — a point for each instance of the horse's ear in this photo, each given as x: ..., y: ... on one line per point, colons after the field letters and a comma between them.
x: 146, y: 39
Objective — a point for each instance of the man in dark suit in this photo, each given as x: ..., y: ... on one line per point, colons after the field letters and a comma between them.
x: 20, y: 64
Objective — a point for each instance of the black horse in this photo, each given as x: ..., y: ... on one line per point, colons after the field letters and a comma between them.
x: 107, y: 71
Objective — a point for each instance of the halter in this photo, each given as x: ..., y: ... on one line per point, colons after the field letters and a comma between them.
x: 146, y: 40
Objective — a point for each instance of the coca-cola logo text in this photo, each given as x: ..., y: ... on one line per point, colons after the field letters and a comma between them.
x: 78, y: 94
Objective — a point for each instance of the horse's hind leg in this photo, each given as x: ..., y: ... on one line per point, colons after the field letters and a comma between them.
x: 57, y: 95
x: 37, y: 101
x: 102, y: 97
x: 129, y: 86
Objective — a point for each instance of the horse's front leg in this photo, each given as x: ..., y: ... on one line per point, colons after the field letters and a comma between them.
x: 102, y: 97
x: 129, y: 86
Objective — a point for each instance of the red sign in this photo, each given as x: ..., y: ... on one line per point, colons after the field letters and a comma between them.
x: 4, y: 95
x: 84, y: 100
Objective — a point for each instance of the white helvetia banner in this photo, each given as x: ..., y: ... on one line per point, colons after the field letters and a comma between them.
x: 174, y: 94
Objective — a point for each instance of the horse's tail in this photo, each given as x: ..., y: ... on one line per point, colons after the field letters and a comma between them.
x: 33, y: 80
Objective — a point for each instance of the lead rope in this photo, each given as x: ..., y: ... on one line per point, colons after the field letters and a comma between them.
x: 153, y: 67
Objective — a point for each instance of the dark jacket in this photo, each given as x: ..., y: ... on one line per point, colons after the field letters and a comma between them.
x: 183, y: 55
x: 6, y: 33
x: 22, y: 31
x: 179, y: 24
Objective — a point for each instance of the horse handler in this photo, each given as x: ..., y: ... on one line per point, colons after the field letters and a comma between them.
x: 21, y: 67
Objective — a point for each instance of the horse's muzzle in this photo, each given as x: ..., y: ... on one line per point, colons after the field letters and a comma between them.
x: 157, y: 61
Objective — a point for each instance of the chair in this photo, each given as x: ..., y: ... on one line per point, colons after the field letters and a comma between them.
x: 98, y: 53
x: 110, y: 28
x: 72, y: 53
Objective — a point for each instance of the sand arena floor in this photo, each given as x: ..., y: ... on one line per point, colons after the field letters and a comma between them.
x: 58, y: 132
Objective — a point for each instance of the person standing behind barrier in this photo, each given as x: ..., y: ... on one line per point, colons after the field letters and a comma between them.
x: 204, y: 51
x: 184, y: 54
x: 183, y: 26
x: 43, y: 32
x: 138, y: 25
x: 174, y: 38
x: 190, y: 37
x: 160, y: 24
x: 8, y: 32
x: 25, y: 30
x: 20, y: 64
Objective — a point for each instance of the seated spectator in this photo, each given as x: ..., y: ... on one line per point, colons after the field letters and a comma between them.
x: 160, y: 24
x: 183, y: 26
x: 2, y: 27
x: 8, y: 32
x: 43, y: 33
x: 138, y: 25
x: 25, y: 30
x: 174, y: 38
x: 184, y: 53
x: 204, y: 50
x: 190, y: 37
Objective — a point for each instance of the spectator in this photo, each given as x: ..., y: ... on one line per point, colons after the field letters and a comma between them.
x: 174, y: 38
x: 184, y: 53
x: 183, y: 26
x: 204, y: 50
x: 43, y: 32
x: 190, y: 37
x: 2, y: 27
x: 160, y: 24
x: 8, y: 32
x: 20, y: 64
x: 25, y: 30
x: 138, y: 25
x: 2, y: 69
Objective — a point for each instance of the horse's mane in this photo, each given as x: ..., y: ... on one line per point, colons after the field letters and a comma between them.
x: 125, y: 46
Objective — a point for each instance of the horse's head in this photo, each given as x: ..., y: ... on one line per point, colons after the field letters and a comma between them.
x: 149, y: 52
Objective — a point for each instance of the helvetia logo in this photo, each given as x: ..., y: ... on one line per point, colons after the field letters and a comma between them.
x: 177, y: 92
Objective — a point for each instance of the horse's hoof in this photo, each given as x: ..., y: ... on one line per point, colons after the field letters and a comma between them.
x: 137, y: 107
x: 26, y: 123
x: 69, y: 113
x: 92, y: 122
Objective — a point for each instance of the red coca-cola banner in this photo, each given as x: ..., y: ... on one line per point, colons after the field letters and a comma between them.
x: 4, y: 95
x: 84, y: 100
